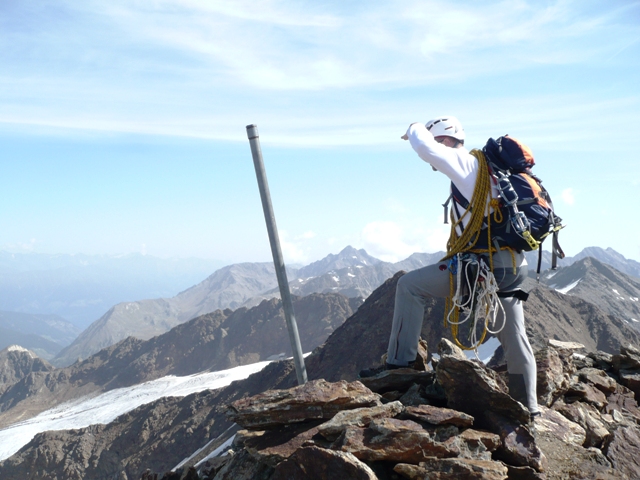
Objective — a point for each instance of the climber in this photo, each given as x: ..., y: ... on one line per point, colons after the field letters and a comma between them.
x: 441, y: 144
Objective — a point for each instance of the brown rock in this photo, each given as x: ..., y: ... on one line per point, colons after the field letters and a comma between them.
x: 317, y: 399
x: 413, y: 397
x: 603, y: 360
x: 554, y: 375
x: 598, y: 379
x: 475, y: 389
x: 623, y: 451
x: 631, y: 380
x: 322, y: 464
x: 518, y: 444
x: 244, y: 466
x: 399, y: 379
x: 553, y: 423
x: 524, y: 473
x: 446, y: 348
x: 453, y: 469
x: 586, y: 393
x: 274, y: 446
x: 588, y: 418
x: 359, y: 417
x: 422, y: 359
x: 491, y: 441
x: 398, y: 441
x: 623, y: 400
x: 438, y: 416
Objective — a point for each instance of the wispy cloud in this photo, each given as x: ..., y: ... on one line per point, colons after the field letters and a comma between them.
x: 568, y: 196
x: 318, y: 73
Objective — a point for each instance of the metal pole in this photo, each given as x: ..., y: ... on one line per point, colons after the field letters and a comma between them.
x: 281, y: 273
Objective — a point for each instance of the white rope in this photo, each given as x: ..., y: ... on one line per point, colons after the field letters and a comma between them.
x: 483, y: 291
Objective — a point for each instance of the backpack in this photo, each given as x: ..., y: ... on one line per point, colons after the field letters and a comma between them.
x: 528, y: 217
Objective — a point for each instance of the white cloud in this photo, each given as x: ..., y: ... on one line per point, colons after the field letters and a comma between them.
x: 391, y: 241
x: 296, y: 249
x: 568, y: 196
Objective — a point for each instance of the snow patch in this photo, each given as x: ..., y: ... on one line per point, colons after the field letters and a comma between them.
x: 17, y: 348
x: 216, y: 453
x: 108, y: 406
x: 568, y: 287
x: 633, y: 299
x: 336, y: 279
x: 634, y: 320
x: 351, y: 274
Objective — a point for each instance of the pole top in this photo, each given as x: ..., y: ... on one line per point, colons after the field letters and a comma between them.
x: 252, y: 131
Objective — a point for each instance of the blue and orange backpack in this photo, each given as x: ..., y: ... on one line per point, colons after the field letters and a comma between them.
x: 526, y: 207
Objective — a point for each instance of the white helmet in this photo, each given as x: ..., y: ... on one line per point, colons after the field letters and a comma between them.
x: 446, y: 126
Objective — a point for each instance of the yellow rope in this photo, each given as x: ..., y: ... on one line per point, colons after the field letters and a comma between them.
x: 470, y: 235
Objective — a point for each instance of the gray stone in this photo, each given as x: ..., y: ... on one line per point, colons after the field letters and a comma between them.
x: 359, y: 417
x: 322, y: 464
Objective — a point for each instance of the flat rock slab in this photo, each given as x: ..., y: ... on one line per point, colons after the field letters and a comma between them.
x: 359, y: 417
x: 317, y: 399
x: 322, y: 464
x: 397, y: 441
x: 453, y: 469
x: 274, y: 446
x: 400, y: 379
x: 624, y: 451
x: 438, y: 416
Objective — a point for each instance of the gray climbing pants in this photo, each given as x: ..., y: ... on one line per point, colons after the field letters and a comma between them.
x: 433, y: 281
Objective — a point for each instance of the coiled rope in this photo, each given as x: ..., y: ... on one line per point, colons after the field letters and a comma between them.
x: 476, y: 298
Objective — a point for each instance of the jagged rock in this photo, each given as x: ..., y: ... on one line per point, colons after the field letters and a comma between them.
x: 630, y: 379
x: 475, y: 438
x: 629, y: 358
x: 518, y: 444
x: 598, y: 379
x: 359, y: 417
x: 554, y: 375
x: 588, y: 418
x: 400, y: 379
x: 582, y: 361
x: 413, y: 397
x: 187, y: 474
x: 317, y: 399
x: 244, y: 466
x: 322, y: 464
x: 274, y: 446
x: 622, y: 400
x: 560, y: 427
x: 438, y: 416
x: 450, y: 349
x: 524, y: 473
x: 453, y: 469
x: 586, y: 393
x: 399, y: 441
x: 571, y: 346
x: 624, y: 450
x: 422, y: 359
x: 603, y: 360
x: 459, y: 377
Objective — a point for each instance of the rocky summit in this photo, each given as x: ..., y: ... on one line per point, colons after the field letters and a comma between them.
x: 401, y: 424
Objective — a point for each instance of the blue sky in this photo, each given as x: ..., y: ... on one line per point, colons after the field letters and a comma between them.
x: 122, y: 123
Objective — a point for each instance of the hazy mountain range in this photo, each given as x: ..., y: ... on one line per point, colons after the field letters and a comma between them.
x: 352, y: 272
x: 81, y: 288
